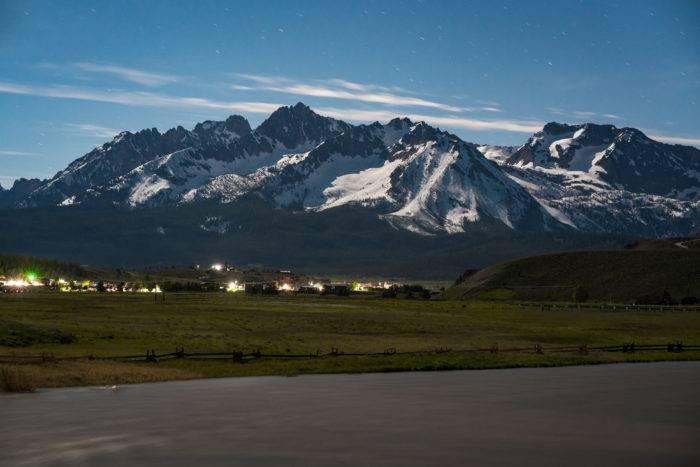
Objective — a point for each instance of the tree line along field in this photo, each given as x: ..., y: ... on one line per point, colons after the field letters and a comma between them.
x: 77, y: 325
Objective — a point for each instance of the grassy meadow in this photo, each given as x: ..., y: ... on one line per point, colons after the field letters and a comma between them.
x: 80, y: 324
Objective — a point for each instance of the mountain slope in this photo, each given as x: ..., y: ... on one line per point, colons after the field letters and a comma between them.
x: 251, y: 232
x: 625, y: 158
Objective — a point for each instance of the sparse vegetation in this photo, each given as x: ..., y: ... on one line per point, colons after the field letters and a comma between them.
x: 15, y: 379
x: 27, y: 378
x: 17, y: 334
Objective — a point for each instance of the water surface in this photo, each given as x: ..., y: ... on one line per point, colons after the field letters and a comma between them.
x: 643, y: 414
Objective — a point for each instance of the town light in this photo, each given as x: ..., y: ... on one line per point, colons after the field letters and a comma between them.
x: 285, y: 287
x: 234, y: 287
x: 217, y: 267
x: 17, y: 283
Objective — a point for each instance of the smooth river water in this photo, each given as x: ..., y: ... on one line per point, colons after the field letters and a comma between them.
x: 617, y: 415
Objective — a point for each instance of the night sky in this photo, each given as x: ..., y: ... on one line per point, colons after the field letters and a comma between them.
x: 73, y: 74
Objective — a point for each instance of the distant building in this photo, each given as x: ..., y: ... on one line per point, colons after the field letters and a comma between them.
x: 260, y: 288
x: 311, y: 289
x: 336, y: 289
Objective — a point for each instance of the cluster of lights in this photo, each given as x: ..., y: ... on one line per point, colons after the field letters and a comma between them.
x: 235, y: 287
x: 91, y: 286
x: 29, y: 279
x: 17, y: 283
x: 217, y: 267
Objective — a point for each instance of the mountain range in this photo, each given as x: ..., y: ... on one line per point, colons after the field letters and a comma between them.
x: 565, y: 180
x: 588, y: 178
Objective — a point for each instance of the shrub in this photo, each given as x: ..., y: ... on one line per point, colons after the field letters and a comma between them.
x: 667, y: 299
x: 580, y: 294
x: 389, y: 293
x: 689, y: 300
x: 14, y: 379
x: 664, y: 298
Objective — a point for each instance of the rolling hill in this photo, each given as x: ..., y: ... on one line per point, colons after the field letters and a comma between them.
x: 641, y: 272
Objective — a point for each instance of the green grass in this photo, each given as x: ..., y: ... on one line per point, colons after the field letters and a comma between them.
x: 610, y: 275
x: 122, y: 324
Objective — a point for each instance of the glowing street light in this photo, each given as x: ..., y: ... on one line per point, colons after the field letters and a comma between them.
x: 217, y: 267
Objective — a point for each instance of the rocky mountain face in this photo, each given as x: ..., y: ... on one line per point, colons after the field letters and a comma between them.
x: 599, y: 178
x: 624, y: 158
x: 20, y: 189
x: 569, y: 178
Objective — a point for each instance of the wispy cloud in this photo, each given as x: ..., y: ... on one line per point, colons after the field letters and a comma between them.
x: 582, y: 113
x: 140, y: 99
x: 4, y: 152
x: 340, y: 89
x: 134, y: 75
x: 167, y: 101
x: 88, y: 129
x: 688, y: 141
x: 517, y: 126
x: 149, y: 99
x: 367, y: 87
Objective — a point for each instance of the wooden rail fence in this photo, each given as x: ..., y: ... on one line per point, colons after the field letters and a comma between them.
x: 606, y: 307
x: 242, y: 357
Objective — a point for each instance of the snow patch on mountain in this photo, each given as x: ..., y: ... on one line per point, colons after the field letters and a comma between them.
x: 310, y: 189
x: 364, y: 188
x: 498, y: 154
